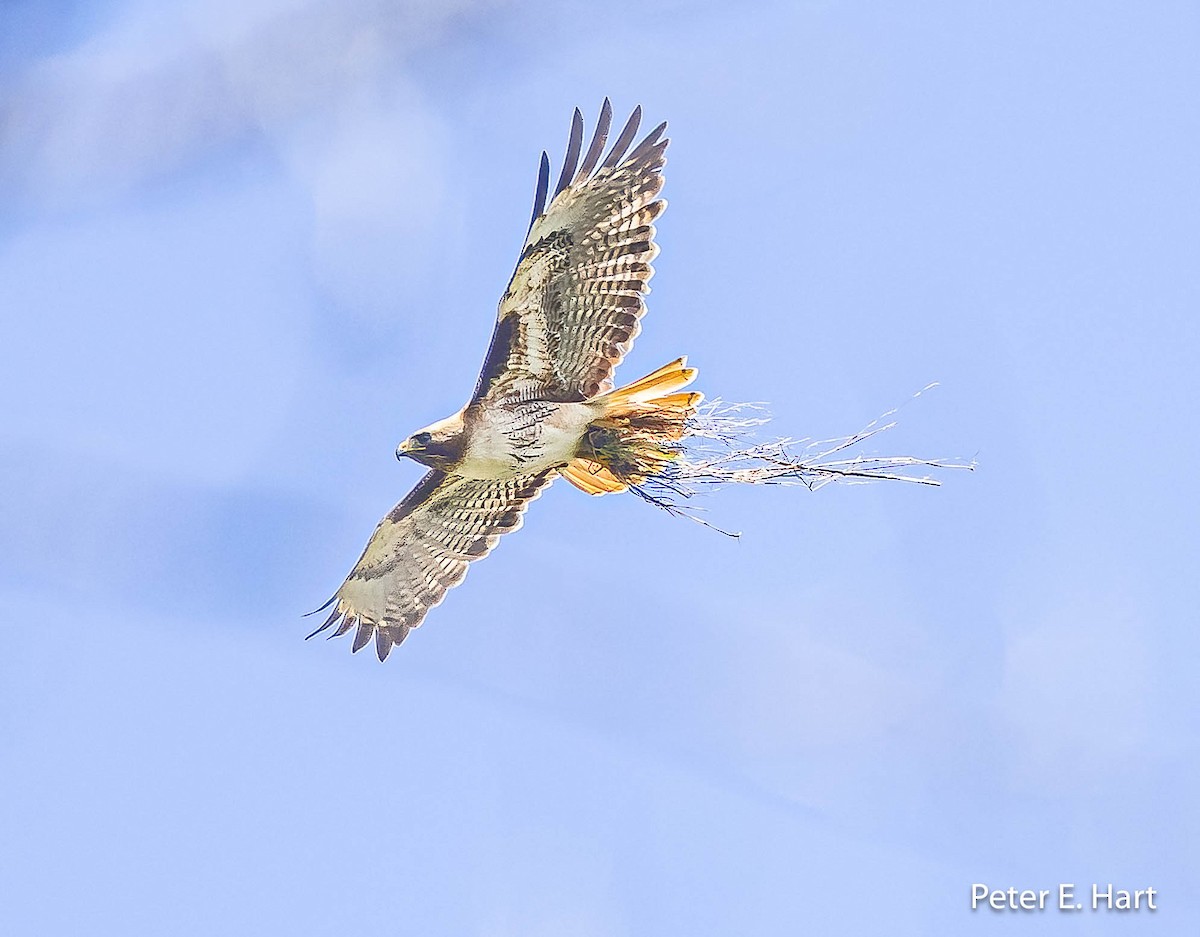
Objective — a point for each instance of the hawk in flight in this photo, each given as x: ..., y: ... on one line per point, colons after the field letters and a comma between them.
x: 545, y: 404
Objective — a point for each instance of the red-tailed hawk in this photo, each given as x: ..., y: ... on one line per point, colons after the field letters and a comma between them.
x: 544, y: 405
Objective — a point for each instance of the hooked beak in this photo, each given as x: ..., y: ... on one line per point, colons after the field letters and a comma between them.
x: 413, y: 446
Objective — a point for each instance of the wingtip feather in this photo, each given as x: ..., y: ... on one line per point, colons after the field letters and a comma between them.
x: 332, y: 599
x: 623, y: 141
x: 599, y: 138
x: 362, y: 636
x: 574, y: 142
x: 337, y: 613
x: 543, y: 185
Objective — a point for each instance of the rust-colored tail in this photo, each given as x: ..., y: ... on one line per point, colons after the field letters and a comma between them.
x: 657, y: 384
x: 635, y: 435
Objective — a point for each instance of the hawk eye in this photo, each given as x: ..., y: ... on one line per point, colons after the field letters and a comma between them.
x: 423, y: 439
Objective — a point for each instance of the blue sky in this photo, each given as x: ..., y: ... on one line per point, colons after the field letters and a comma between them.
x: 245, y: 248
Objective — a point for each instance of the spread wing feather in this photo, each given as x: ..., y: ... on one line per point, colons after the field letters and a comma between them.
x: 574, y: 142
x: 421, y: 549
x: 570, y: 313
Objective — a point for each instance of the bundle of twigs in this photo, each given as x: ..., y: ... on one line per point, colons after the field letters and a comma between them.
x: 718, y: 449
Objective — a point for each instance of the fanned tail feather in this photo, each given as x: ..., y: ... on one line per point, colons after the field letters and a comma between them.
x: 591, y: 477
x: 666, y: 380
x: 638, y: 433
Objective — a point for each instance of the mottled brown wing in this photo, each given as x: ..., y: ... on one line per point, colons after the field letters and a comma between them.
x: 421, y: 549
x: 571, y: 311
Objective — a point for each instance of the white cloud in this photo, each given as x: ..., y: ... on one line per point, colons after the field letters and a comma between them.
x: 162, y: 90
x: 164, y: 85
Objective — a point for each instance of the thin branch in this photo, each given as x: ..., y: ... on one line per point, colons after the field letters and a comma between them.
x: 718, y: 449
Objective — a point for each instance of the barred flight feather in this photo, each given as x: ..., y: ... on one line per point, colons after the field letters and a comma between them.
x: 421, y: 549
x: 569, y: 315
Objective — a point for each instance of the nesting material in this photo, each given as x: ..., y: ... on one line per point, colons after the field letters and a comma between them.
x: 717, y: 447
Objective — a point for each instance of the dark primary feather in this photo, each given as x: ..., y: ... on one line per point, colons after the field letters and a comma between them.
x: 623, y: 141
x: 421, y: 549
x: 648, y: 142
x: 599, y: 138
x: 572, y: 309
x: 572, y: 155
x: 543, y: 184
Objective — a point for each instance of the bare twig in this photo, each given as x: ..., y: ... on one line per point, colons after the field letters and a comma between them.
x: 718, y: 449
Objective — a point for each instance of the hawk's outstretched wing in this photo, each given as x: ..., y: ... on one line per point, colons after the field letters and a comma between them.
x: 570, y: 313
x: 421, y: 549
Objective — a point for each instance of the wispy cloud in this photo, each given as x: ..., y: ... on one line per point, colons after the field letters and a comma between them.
x: 160, y: 88
x: 321, y: 87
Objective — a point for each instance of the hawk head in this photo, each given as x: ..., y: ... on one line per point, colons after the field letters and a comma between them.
x: 439, y: 445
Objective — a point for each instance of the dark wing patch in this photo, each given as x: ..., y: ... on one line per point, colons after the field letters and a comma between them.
x: 421, y: 549
x: 572, y: 309
x: 522, y: 343
x: 505, y: 344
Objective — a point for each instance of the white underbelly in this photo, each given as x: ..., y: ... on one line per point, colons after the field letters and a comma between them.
x: 505, y: 444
